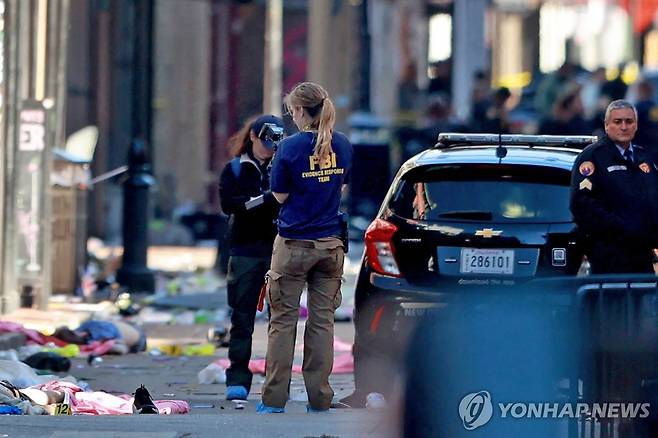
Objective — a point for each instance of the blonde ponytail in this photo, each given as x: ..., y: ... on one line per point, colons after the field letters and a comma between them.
x: 317, y: 104
x: 327, y: 118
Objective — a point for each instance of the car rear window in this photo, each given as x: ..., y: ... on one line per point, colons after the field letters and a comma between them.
x: 496, y: 193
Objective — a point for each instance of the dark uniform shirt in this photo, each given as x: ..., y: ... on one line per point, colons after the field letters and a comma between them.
x: 314, y: 188
x: 251, y: 232
x: 615, y: 205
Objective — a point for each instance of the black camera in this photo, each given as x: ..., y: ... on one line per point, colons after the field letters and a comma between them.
x: 271, y: 132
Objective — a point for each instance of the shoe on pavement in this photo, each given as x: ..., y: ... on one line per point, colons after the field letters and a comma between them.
x: 143, y: 402
x: 310, y: 410
x: 236, y: 393
x: 262, y: 409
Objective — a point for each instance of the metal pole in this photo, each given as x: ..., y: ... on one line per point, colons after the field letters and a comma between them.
x: 134, y: 272
x: 273, y: 57
x: 470, y: 53
x: 364, y: 49
x: 8, y: 293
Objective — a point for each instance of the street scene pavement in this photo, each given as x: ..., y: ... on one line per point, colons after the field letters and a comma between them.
x: 210, y: 415
x: 176, y: 376
x: 457, y: 142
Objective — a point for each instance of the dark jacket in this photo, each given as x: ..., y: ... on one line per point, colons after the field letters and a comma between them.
x: 251, y: 232
x: 615, y: 205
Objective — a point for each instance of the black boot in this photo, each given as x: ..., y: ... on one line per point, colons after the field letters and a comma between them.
x: 143, y: 403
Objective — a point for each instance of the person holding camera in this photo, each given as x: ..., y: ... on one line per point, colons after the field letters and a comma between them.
x: 244, y: 190
x: 309, y: 171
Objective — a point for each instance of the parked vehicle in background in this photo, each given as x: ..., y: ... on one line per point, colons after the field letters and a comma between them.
x: 475, y: 211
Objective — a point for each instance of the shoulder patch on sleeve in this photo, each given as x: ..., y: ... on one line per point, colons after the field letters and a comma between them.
x: 586, y: 168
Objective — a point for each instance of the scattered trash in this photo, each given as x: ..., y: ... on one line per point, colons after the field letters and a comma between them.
x: 70, y: 350
x: 218, y: 335
x: 213, y: 373
x: 125, y: 305
x: 184, y: 350
x: 171, y: 349
x: 10, y: 410
x: 155, y: 352
x: 240, y: 404
x: 202, y: 317
x: 22, y: 375
x: 46, y: 360
x: 375, y: 400
x: 9, y: 355
x: 29, y: 350
x: 210, y: 406
x: 199, y: 350
x: 94, y: 360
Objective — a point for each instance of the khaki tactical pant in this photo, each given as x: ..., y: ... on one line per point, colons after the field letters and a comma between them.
x: 318, y: 263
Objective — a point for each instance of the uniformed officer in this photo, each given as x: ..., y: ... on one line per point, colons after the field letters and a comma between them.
x: 614, y: 197
x: 308, y: 174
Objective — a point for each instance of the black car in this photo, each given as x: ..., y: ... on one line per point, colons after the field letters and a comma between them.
x: 475, y: 211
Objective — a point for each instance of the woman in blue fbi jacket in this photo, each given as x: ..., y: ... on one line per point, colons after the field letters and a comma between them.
x: 244, y: 190
x: 308, y: 174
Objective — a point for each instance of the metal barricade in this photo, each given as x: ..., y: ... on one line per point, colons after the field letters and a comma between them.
x: 556, y: 350
x: 619, y: 352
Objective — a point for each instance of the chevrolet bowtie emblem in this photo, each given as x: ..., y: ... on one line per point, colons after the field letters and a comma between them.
x: 488, y: 232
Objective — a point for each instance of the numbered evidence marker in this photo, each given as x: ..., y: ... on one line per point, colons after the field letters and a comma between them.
x: 63, y: 408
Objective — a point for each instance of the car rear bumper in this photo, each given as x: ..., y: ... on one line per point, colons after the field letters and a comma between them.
x: 395, y: 306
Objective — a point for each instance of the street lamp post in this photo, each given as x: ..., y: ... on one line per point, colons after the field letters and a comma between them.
x: 134, y: 272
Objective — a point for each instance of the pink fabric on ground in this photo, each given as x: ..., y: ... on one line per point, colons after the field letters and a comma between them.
x: 169, y: 407
x: 256, y: 366
x: 102, y: 403
x: 343, y: 364
x: 12, y: 327
x: 97, y: 348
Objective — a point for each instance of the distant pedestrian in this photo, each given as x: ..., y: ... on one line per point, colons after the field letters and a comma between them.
x: 551, y: 86
x: 590, y: 94
x: 616, y: 88
x: 496, y: 119
x: 614, y: 197
x: 245, y: 194
x: 647, y: 117
x: 308, y: 175
x: 567, y: 117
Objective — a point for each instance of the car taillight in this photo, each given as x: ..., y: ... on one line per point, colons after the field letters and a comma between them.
x: 379, y: 247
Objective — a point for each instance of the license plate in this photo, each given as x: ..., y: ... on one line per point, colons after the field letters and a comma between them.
x: 487, y: 261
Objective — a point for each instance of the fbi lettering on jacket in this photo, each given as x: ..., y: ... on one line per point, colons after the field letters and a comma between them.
x: 323, y: 169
